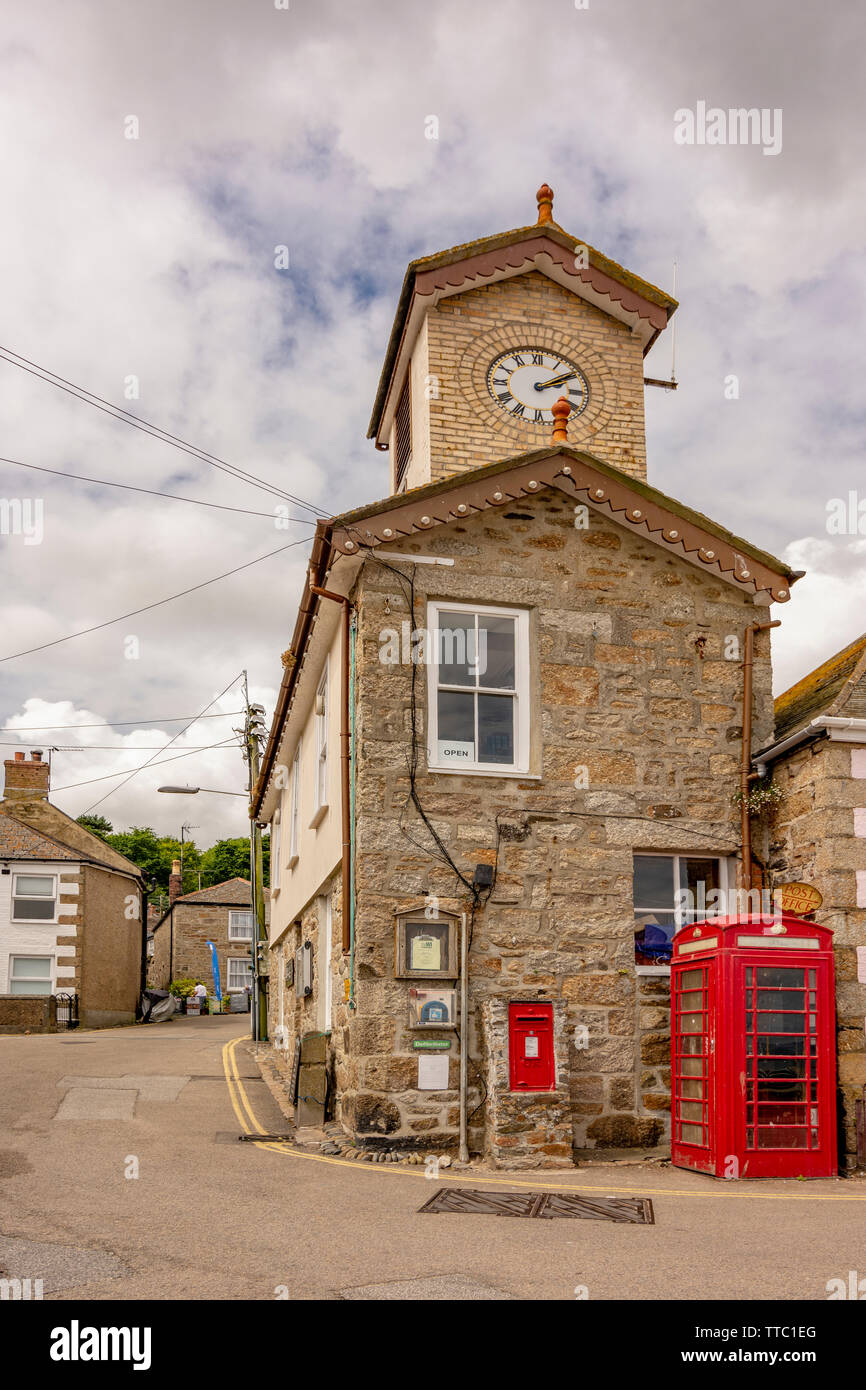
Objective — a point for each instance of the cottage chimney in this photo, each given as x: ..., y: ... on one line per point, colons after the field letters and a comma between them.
x: 27, y: 779
x: 175, y: 882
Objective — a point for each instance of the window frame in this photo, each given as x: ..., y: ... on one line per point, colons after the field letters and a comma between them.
x: 34, y: 897
x: 295, y: 810
x: 322, y: 761
x: 52, y: 973
x: 276, y: 847
x: 520, y: 694
x: 727, y: 868
x: 237, y: 912
x: 243, y: 960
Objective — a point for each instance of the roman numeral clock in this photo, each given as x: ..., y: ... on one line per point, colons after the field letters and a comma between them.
x: 526, y: 382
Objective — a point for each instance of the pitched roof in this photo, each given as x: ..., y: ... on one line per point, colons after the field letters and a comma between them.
x: 822, y: 691
x: 630, y: 502
x: 544, y: 247
x: 20, y: 841
x: 43, y: 818
x: 586, y: 478
x: 232, y: 891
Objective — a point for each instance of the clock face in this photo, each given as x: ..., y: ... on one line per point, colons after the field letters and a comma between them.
x: 527, y: 382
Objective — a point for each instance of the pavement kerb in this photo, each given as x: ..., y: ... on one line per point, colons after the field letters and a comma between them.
x: 239, y: 1098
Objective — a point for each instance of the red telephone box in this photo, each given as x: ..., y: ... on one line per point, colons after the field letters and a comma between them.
x: 530, y: 1047
x: 753, y: 1048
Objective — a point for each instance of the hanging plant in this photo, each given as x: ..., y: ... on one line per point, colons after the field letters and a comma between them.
x: 762, y: 794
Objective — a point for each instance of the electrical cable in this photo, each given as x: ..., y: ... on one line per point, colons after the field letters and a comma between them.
x: 225, y: 746
x: 150, y: 492
x: 126, y: 417
x: 166, y: 746
x: 119, y: 723
x: 105, y: 747
x: 97, y: 627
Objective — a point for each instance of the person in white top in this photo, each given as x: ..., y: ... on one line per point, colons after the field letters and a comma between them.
x: 200, y: 993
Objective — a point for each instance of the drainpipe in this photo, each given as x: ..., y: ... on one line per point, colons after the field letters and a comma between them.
x: 744, y: 873
x: 353, y: 772
x: 146, y: 890
x: 464, y: 1039
x: 345, y: 770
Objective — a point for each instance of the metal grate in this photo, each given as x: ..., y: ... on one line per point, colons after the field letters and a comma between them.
x: 547, y: 1205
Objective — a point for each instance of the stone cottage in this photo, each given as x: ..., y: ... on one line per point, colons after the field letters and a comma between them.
x: 513, y: 700
x: 221, y: 914
x: 71, y: 912
x: 816, y: 834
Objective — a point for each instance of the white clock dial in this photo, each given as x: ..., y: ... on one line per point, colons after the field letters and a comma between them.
x: 528, y: 381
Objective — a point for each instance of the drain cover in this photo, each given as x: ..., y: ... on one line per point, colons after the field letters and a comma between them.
x: 468, y: 1200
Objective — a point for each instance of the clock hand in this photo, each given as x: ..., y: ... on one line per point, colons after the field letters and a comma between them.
x: 554, y: 381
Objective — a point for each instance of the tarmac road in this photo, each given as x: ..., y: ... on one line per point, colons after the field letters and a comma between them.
x: 121, y: 1177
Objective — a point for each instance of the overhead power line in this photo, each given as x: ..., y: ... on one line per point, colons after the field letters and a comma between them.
x: 110, y: 747
x: 165, y: 746
x: 97, y: 627
x: 117, y: 412
x: 119, y: 723
x: 128, y: 487
x: 70, y: 786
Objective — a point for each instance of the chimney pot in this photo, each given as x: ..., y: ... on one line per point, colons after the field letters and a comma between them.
x: 19, y: 757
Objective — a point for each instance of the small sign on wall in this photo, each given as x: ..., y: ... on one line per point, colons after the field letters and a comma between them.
x: 433, y: 1073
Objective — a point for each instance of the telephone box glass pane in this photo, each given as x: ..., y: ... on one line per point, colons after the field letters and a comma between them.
x: 691, y: 979
x: 694, y: 1090
x: 781, y: 976
x: 691, y: 1023
x: 788, y: 1138
x: 780, y: 1023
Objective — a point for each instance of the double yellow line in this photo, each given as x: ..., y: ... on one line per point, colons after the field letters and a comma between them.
x: 249, y: 1124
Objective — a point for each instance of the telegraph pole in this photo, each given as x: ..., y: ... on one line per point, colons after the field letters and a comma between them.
x: 253, y: 733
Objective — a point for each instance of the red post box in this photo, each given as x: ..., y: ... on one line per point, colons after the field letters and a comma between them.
x: 753, y: 1054
x: 530, y: 1047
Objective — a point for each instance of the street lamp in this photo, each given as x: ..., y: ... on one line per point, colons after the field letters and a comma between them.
x: 193, y: 791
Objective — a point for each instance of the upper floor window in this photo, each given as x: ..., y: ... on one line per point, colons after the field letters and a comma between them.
x: 322, y: 742
x: 34, y: 898
x: 276, y: 839
x: 294, y: 822
x: 478, y: 688
x: 402, y: 437
x: 240, y: 926
x: 671, y: 890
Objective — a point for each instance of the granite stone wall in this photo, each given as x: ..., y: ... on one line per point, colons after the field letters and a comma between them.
x: 632, y: 696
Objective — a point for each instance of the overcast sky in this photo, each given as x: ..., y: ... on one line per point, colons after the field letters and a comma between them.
x: 153, y: 258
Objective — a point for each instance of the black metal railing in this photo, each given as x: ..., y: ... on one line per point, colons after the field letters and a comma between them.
x: 66, y: 1010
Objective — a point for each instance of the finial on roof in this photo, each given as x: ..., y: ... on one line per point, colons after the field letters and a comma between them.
x: 545, y: 204
x: 561, y: 412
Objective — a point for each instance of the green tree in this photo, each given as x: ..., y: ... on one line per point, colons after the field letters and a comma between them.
x: 97, y: 825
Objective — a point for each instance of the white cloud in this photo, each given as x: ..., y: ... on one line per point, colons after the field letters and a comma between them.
x: 262, y: 127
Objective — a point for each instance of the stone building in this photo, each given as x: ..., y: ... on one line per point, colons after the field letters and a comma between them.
x: 221, y: 914
x: 513, y: 697
x: 816, y: 834
x: 71, y: 918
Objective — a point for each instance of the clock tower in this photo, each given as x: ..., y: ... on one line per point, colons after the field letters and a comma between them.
x: 489, y: 335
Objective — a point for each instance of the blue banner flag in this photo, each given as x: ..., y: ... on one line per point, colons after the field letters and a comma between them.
x: 215, y: 970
